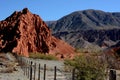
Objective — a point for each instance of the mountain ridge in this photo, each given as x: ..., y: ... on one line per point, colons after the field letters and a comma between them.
x: 94, y: 18
x: 76, y: 26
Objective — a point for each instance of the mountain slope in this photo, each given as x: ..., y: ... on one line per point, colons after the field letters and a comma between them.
x: 87, y: 19
x: 24, y: 32
x: 88, y: 27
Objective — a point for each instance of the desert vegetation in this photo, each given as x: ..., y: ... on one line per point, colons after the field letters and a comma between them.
x: 87, y: 67
x: 90, y: 49
x: 42, y: 56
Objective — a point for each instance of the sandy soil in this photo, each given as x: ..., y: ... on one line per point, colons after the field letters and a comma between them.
x: 15, y: 75
x: 9, y: 69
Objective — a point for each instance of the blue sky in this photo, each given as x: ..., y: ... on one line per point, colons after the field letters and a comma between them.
x: 55, y: 9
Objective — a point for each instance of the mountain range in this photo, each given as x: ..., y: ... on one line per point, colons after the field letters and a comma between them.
x: 83, y: 29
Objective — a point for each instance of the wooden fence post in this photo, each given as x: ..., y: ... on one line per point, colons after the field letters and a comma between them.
x: 112, y: 75
x: 44, y: 77
x: 34, y: 70
x: 31, y: 70
x: 28, y: 71
x: 55, y: 69
x: 39, y: 72
x: 23, y: 68
x: 21, y: 61
x: 73, y: 74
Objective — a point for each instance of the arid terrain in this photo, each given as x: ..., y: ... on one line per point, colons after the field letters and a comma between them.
x: 15, y: 72
x: 9, y: 68
x: 87, y: 32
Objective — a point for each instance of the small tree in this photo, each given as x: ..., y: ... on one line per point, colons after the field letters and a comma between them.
x: 87, y: 68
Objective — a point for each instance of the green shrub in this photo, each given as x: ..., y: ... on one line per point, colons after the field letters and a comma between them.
x: 87, y: 68
x: 42, y: 56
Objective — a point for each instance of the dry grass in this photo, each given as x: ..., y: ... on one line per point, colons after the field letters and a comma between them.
x: 42, y: 56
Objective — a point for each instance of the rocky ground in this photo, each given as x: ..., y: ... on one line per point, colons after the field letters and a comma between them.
x: 15, y: 75
x: 9, y: 68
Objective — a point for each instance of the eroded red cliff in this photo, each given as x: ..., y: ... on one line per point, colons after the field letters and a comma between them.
x: 24, y: 32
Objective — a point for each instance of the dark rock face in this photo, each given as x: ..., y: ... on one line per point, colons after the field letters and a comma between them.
x: 24, y: 32
x: 88, y: 27
x: 98, y: 37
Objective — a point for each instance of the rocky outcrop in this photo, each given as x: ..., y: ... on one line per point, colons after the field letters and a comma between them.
x: 88, y: 27
x: 24, y: 32
x: 83, y: 38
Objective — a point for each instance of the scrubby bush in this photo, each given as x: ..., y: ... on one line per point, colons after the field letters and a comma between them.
x: 42, y: 56
x: 87, y: 68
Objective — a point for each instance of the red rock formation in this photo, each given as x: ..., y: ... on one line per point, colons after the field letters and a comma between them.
x: 24, y: 32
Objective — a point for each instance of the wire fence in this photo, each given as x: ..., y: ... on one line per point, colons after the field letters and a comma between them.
x: 34, y: 71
